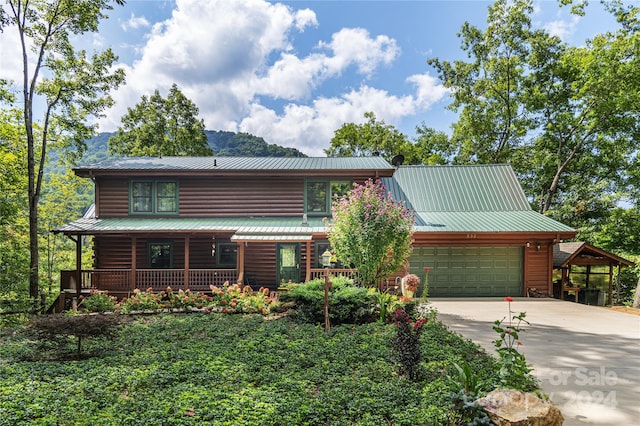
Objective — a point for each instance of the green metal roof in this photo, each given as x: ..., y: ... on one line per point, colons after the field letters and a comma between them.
x: 482, y: 198
x: 459, y: 188
x: 244, y: 225
x: 216, y: 164
x: 485, y: 198
x: 514, y: 221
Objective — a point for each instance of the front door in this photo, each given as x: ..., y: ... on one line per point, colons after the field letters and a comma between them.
x: 288, y: 262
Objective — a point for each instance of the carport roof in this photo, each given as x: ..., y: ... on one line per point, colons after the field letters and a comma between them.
x: 565, y: 254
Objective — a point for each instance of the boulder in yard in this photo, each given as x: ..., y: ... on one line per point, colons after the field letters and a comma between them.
x: 510, y: 407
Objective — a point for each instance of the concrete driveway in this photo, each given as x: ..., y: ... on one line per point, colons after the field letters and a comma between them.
x: 586, y: 358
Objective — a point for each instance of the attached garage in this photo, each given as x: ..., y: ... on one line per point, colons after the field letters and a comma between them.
x: 470, y: 271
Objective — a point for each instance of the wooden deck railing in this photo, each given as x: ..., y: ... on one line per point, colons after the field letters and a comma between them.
x: 119, y: 280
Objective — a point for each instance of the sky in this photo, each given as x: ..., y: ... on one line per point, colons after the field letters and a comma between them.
x: 293, y: 72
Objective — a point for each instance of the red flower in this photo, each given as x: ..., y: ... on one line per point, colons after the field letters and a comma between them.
x: 508, y: 299
x: 426, y: 269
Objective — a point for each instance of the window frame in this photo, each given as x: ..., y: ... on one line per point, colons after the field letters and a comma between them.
x: 328, y: 193
x: 149, y: 251
x: 155, y: 197
x: 219, y: 247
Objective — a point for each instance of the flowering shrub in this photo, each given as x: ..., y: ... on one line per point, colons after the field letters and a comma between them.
x: 184, y: 299
x: 98, y: 301
x: 228, y: 299
x: 235, y: 298
x: 406, y: 344
x: 514, y: 371
x: 141, y: 301
x: 371, y: 231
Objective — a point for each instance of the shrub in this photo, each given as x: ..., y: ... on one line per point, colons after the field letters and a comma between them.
x: 347, y: 303
x: 184, y: 299
x: 405, y: 344
x: 98, y: 301
x: 57, y: 328
x: 141, y: 301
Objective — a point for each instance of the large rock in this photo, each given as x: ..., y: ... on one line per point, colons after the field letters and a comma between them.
x: 510, y: 407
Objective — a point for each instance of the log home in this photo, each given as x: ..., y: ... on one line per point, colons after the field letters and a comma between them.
x: 189, y: 222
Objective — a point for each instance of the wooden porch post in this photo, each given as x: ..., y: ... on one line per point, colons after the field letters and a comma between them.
x: 240, y: 264
x: 134, y: 261
x: 308, y: 263
x: 610, y: 300
x: 78, y: 266
x: 186, y: 261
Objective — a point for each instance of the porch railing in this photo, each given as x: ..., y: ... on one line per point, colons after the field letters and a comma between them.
x: 119, y: 280
x: 333, y: 272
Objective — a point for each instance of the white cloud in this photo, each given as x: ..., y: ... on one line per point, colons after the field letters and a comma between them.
x: 237, y: 62
x: 562, y: 28
x: 305, y: 18
x: 311, y: 127
x: 429, y: 89
x: 355, y: 46
x: 135, y: 22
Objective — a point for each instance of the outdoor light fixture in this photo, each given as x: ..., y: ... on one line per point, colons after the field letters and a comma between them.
x: 326, y: 258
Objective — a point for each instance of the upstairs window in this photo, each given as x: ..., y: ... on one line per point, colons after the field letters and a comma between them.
x: 153, y: 197
x: 320, y: 192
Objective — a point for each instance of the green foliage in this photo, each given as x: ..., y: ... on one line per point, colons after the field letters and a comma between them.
x: 98, y: 301
x: 229, y: 369
x: 514, y: 370
x: 363, y: 140
x: 230, y: 144
x: 370, y: 231
x: 15, y: 308
x: 348, y: 304
x: 227, y: 299
x: 565, y: 117
x: 67, y: 86
x: 158, y: 126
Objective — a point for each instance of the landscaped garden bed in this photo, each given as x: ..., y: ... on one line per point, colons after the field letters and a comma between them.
x: 236, y: 369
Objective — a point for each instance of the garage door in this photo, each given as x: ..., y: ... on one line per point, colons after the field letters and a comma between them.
x: 470, y: 271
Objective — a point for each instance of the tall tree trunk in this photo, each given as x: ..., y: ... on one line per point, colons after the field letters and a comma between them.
x: 636, y: 298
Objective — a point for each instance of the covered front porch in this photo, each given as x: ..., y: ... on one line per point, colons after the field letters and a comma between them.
x: 132, y: 253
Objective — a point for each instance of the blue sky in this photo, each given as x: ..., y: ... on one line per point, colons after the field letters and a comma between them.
x: 294, y: 71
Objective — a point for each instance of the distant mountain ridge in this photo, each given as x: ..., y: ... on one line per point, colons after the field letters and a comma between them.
x: 224, y: 144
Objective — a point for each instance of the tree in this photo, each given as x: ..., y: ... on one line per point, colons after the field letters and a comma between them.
x: 370, y: 231
x: 487, y: 90
x: 359, y: 140
x: 158, y: 126
x: 565, y: 117
x: 65, y: 195
x: 65, y: 84
x: 432, y: 147
x: 14, y: 253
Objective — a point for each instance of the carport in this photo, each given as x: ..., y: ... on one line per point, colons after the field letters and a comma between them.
x: 585, y: 272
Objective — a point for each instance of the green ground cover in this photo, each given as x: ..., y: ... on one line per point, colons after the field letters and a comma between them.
x: 196, y: 368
